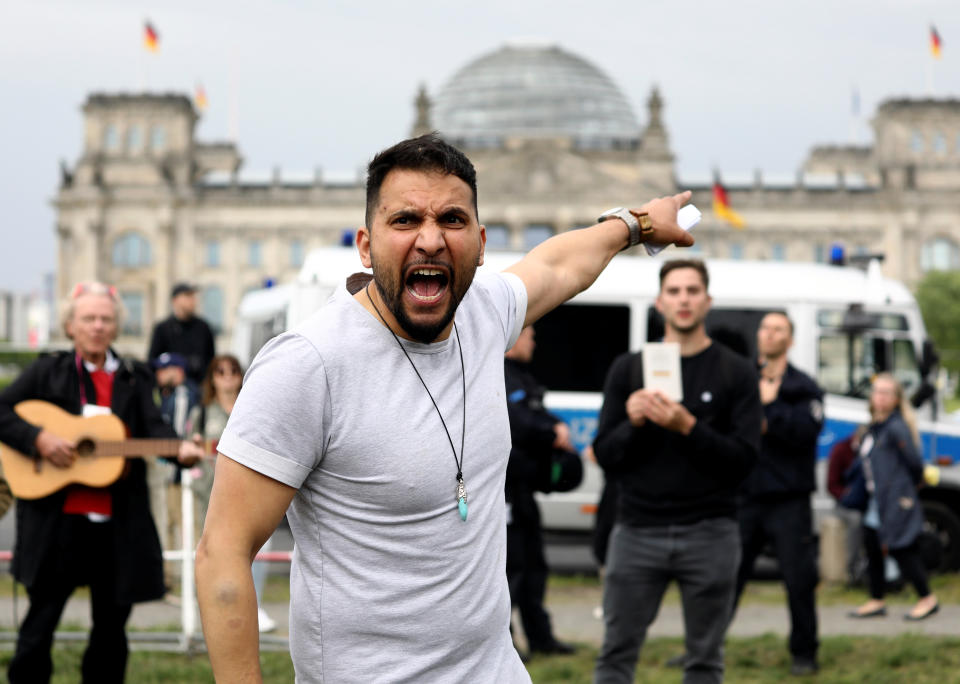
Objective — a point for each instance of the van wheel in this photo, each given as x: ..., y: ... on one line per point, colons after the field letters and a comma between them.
x: 943, y: 525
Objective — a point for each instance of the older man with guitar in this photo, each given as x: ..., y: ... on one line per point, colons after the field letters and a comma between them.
x: 83, y: 514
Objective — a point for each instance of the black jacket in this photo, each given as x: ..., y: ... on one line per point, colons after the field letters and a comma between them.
x: 139, y: 560
x: 192, y: 339
x: 532, y: 436
x: 788, y: 449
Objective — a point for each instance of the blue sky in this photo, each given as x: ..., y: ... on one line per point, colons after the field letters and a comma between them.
x: 747, y: 85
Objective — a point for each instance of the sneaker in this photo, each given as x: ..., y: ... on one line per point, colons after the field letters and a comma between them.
x: 266, y: 623
x: 803, y: 667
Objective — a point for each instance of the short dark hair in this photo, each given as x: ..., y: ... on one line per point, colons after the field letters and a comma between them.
x: 696, y: 264
x: 785, y: 316
x: 426, y: 153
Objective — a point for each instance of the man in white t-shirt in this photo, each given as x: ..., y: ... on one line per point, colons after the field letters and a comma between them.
x: 381, y: 423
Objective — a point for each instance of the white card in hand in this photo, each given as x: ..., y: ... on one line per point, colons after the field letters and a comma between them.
x: 661, y: 368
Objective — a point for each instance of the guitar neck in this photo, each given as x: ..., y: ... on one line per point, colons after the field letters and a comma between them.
x: 139, y: 447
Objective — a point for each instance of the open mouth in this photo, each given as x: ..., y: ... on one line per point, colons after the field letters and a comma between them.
x: 427, y: 284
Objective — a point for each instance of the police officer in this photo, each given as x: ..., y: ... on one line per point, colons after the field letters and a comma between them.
x: 775, y: 506
x: 535, y: 433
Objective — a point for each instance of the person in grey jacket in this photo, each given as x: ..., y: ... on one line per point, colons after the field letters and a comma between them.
x: 893, y: 520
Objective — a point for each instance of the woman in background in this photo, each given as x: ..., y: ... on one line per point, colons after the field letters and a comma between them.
x: 221, y: 386
x: 894, y: 516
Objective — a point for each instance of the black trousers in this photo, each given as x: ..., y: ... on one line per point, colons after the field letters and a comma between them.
x: 908, y: 559
x: 85, y: 556
x: 527, y: 578
x: 786, y: 524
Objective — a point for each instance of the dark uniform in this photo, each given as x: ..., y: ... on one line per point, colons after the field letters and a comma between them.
x: 532, y: 435
x: 775, y: 506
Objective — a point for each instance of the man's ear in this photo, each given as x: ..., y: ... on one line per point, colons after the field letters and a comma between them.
x: 363, y: 246
x: 483, y: 244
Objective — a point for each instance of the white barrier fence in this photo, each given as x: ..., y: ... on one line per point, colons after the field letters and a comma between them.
x: 189, y: 636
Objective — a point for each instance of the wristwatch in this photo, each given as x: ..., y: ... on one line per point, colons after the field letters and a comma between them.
x: 639, y: 225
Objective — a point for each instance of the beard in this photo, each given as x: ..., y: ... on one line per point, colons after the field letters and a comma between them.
x: 391, y: 286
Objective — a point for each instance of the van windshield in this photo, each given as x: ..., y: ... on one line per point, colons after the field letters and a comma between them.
x: 848, y: 360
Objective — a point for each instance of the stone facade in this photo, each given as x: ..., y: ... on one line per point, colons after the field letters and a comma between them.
x: 148, y: 205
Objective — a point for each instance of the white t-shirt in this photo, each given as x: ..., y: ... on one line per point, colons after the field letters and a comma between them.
x: 387, y: 583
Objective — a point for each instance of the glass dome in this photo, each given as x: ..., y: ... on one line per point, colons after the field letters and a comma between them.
x: 534, y: 91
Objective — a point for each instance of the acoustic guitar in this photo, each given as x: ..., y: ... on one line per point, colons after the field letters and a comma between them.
x: 102, y: 450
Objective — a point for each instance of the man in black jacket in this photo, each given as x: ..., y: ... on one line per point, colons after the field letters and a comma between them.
x: 775, y: 506
x: 678, y: 465
x: 103, y: 537
x: 534, y: 434
x: 184, y: 333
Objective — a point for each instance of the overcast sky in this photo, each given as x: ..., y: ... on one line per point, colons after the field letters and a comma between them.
x: 747, y: 85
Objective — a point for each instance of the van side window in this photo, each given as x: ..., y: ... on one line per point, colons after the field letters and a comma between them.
x: 576, y: 343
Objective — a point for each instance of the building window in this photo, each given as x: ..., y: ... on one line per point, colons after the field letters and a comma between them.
x: 211, y: 253
x: 536, y: 233
x: 158, y: 138
x: 939, y: 144
x: 916, y: 142
x: 211, y: 306
x: 777, y: 252
x: 133, y: 318
x: 736, y: 251
x: 296, y: 253
x: 254, y: 253
x: 111, y: 140
x: 134, y: 139
x: 498, y: 236
x: 820, y: 253
x: 941, y: 254
x: 131, y: 250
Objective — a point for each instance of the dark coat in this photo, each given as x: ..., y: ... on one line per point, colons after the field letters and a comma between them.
x: 139, y: 560
x: 895, y: 466
x: 532, y: 437
x: 192, y: 339
x: 788, y: 448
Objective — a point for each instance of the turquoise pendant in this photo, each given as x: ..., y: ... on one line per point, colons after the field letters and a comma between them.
x: 462, y: 499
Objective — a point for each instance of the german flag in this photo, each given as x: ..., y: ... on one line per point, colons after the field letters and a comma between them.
x: 935, y: 43
x: 200, y: 98
x: 721, y: 205
x: 151, y: 39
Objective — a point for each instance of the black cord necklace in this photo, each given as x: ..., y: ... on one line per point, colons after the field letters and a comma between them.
x: 461, y: 487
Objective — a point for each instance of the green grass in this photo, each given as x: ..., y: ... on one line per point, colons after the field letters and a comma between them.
x: 910, y: 658
x: 843, y: 660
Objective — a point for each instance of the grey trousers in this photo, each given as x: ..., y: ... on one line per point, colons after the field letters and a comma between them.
x: 703, y: 558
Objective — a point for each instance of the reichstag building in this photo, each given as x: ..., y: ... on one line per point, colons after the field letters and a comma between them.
x: 555, y: 142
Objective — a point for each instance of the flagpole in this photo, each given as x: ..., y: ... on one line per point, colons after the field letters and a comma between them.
x: 929, y: 77
x: 141, y: 71
x: 233, y: 104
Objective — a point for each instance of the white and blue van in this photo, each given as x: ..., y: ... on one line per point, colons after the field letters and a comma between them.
x: 850, y: 323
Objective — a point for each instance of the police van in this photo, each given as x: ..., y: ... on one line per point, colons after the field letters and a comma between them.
x: 849, y: 324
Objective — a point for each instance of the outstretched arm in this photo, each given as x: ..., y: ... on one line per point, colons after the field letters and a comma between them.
x: 566, y: 264
x: 245, y: 509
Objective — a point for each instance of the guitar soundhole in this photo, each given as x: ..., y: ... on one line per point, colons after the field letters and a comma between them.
x: 85, y: 447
